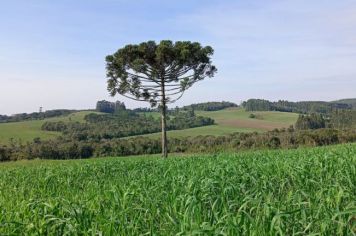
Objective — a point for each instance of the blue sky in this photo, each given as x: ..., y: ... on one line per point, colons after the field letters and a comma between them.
x: 52, y: 52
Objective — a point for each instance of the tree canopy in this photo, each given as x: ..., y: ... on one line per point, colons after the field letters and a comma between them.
x: 141, y: 71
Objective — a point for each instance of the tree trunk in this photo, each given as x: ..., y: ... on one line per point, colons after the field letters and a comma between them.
x: 164, y: 128
x: 164, y: 133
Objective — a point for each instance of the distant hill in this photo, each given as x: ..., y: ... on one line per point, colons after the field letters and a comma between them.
x: 36, y: 115
x: 303, y: 107
x: 231, y: 120
x: 228, y: 121
x: 30, y: 129
x: 228, y: 118
x: 350, y: 101
x: 210, y: 106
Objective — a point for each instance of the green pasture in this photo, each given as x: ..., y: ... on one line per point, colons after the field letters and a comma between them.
x: 28, y: 130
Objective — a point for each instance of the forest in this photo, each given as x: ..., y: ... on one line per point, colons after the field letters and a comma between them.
x: 337, y: 119
x: 124, y: 123
x: 298, y: 107
x: 210, y: 106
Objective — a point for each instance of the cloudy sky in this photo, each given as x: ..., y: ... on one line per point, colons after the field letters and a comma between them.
x: 52, y: 52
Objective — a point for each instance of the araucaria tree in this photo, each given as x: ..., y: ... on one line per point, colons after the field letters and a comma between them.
x: 158, y: 73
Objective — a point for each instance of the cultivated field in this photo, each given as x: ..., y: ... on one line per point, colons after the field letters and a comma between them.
x: 301, y: 192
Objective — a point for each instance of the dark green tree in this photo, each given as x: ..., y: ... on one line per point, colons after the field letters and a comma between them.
x: 312, y: 121
x: 158, y: 73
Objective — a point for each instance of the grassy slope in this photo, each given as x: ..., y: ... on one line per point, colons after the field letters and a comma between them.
x: 270, y: 118
x: 24, y: 131
x: 28, y: 130
x: 283, y: 192
x: 235, y: 120
x: 228, y: 121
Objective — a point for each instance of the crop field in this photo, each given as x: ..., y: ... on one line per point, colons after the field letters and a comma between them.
x: 282, y: 192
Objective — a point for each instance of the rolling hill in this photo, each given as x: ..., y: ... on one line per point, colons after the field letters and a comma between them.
x: 233, y: 120
x: 227, y: 121
x: 350, y: 101
x: 28, y: 130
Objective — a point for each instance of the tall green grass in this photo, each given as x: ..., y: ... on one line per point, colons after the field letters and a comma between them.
x: 295, y: 192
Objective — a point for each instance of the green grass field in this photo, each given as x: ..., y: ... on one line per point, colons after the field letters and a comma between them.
x: 227, y: 121
x: 235, y: 120
x: 28, y: 130
x: 24, y: 131
x: 283, y: 192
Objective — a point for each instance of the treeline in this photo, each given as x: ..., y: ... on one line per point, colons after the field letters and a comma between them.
x: 70, y: 149
x: 338, y: 119
x: 123, y: 124
x: 210, y: 106
x: 350, y: 101
x: 35, y: 115
x: 110, y: 107
x: 297, y: 107
x: 145, y: 109
x: 343, y: 119
x: 313, y: 121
